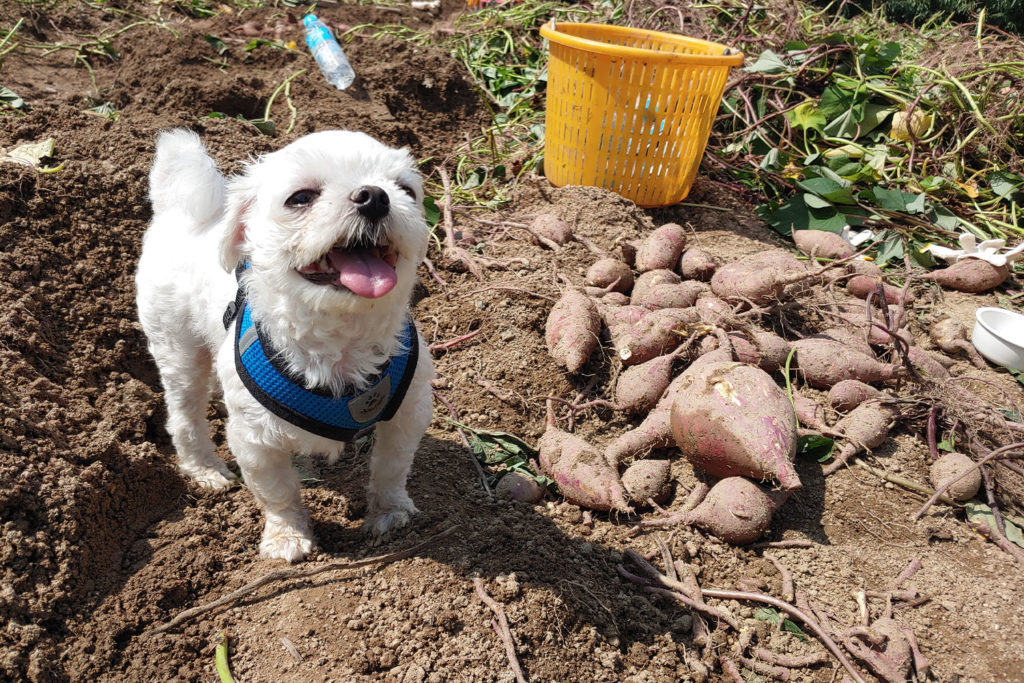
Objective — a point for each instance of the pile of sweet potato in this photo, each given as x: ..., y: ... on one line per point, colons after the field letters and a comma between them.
x: 700, y: 361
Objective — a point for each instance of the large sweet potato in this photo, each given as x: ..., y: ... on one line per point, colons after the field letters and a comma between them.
x: 661, y: 249
x: 572, y: 329
x: 759, y: 278
x: 824, y: 363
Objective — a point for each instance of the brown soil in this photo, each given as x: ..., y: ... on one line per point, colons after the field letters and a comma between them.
x: 102, y: 539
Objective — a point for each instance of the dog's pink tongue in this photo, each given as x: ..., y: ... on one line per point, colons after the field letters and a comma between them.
x: 363, y: 272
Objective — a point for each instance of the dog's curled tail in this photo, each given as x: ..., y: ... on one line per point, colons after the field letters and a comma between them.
x: 184, y: 177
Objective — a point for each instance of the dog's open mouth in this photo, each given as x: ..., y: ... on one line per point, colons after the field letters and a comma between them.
x: 366, y: 271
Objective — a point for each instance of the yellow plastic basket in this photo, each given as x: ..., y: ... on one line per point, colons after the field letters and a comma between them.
x: 630, y: 110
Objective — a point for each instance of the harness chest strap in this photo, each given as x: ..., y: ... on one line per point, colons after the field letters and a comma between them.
x: 340, y: 418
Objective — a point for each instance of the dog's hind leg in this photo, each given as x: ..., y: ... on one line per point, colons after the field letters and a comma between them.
x: 185, y: 375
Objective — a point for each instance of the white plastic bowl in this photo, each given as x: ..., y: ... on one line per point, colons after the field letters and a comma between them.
x: 999, y: 336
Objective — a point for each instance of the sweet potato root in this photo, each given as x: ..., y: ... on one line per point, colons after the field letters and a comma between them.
x: 736, y: 510
x: 732, y: 419
x: 861, y: 286
x: 969, y: 275
x: 582, y: 474
x: 654, y: 334
x: 572, y: 329
x: 640, y: 386
x: 647, y: 479
x: 951, y: 336
x: 951, y: 466
x: 867, y: 426
x: 552, y: 227
x: 759, y: 278
x: 822, y: 243
x: 669, y: 295
x: 652, y: 278
x: 824, y: 363
x: 654, y: 432
x: 609, y: 272
x: 696, y: 264
x: 850, y: 393
x: 661, y: 249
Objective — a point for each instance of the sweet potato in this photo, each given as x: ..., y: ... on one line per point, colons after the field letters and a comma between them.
x: 732, y: 419
x: 736, y: 510
x: 582, y: 474
x: 845, y: 335
x: 572, y: 329
x: 886, y: 651
x: 926, y: 365
x: 951, y: 336
x: 809, y: 413
x: 861, y: 286
x: 640, y: 386
x: 850, y: 393
x: 861, y: 267
x: 520, y: 487
x: 951, y: 466
x: 609, y: 272
x: 822, y: 243
x: 668, y: 295
x: 759, y: 278
x: 824, y: 363
x: 696, y: 264
x: 867, y: 426
x: 653, y: 335
x: 552, y: 227
x: 620, y: 315
x: 661, y: 249
x: 607, y: 298
x: 647, y: 480
x: 765, y: 350
x: 969, y: 275
x: 651, y: 279
x: 712, y: 309
x: 654, y: 432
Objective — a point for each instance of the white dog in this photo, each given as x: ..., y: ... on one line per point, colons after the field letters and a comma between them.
x: 292, y: 282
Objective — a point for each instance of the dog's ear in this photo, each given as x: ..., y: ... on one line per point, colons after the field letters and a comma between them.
x: 241, y: 195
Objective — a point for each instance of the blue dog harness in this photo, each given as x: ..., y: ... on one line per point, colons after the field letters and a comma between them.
x: 341, y: 418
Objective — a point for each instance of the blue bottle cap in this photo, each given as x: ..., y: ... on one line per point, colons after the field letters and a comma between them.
x: 309, y: 20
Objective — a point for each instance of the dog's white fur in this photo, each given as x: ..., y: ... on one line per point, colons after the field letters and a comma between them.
x: 203, y: 226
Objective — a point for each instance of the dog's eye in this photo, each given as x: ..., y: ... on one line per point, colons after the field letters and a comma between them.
x: 408, y: 190
x: 302, y: 198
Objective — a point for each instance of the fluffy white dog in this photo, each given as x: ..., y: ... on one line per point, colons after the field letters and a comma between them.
x: 320, y: 241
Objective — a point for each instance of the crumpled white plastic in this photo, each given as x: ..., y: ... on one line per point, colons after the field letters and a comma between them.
x: 988, y: 250
x: 855, y: 239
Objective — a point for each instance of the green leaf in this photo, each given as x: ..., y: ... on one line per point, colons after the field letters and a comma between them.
x: 807, y: 116
x: 833, y: 189
x: 835, y: 101
x: 107, y: 109
x: 815, y: 446
x: 11, y: 99
x: 816, y: 202
x: 946, y: 445
x: 944, y: 218
x: 769, y: 63
x: 979, y: 513
x: 891, y: 248
x: 897, y: 200
x: 1005, y: 185
x: 431, y: 211
x: 216, y: 43
x: 772, y: 616
x: 265, y: 126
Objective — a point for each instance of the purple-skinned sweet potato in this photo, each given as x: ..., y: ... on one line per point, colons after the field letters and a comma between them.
x: 639, y: 387
x: 661, y: 249
x: 866, y: 426
x: 731, y: 419
x: 610, y: 273
x: 736, y: 510
x: 850, y: 393
x: 847, y: 336
x: 669, y: 295
x: 927, y: 365
x: 696, y: 264
x: 655, y: 431
x: 823, y: 364
x: 552, y: 227
x: 582, y: 474
x: 647, y: 480
x: 822, y: 244
x: 969, y: 275
x: 809, y: 413
x: 653, y: 335
x: 759, y: 278
x: 861, y: 286
x: 651, y: 279
x: 572, y: 329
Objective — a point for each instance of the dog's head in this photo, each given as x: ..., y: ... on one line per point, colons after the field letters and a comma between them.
x: 335, y: 219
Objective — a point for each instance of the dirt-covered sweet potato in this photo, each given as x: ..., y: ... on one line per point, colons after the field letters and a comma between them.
x: 639, y: 387
x: 969, y: 275
x: 647, y: 480
x: 866, y: 426
x: 661, y: 249
x: 670, y: 295
x: 953, y: 465
x: 581, y: 472
x: 732, y: 419
x: 823, y: 363
x: 609, y: 272
x: 822, y: 244
x: 850, y: 393
x: 654, y: 334
x: 950, y: 335
x: 652, y: 278
x: 552, y: 227
x: 572, y: 329
x: 696, y: 264
x: 861, y: 286
x: 736, y: 510
x: 759, y: 278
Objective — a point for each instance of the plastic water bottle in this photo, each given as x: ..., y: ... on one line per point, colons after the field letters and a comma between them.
x: 327, y: 53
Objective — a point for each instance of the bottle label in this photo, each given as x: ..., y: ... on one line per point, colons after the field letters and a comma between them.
x: 318, y: 35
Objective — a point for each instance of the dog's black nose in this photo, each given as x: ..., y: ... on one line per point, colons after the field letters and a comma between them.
x: 371, y: 201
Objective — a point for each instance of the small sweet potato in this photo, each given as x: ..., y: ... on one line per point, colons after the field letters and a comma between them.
x: 861, y: 286
x: 866, y: 426
x: 609, y: 272
x: 607, y: 298
x: 822, y: 243
x: 616, y: 315
x: 952, y: 465
x: 712, y: 309
x: 640, y: 386
x: 765, y: 350
x: 951, y: 336
x: 552, y: 227
x: 647, y: 480
x: 652, y: 278
x: 654, y: 432
x: 520, y: 487
x: 572, y: 329
x: 654, y: 334
x: 732, y: 419
x: 850, y: 393
x: 926, y: 365
x: 736, y: 510
x: 661, y: 249
x: 969, y: 275
x: 809, y: 413
x: 582, y: 474
x: 823, y: 364
x: 696, y: 264
x: 668, y: 295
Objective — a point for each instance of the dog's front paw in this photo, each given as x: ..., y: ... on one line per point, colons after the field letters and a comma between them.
x: 288, y: 544
x: 381, y: 519
x: 216, y: 477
